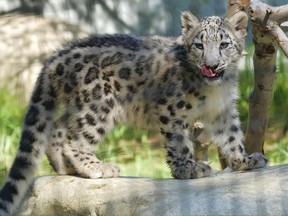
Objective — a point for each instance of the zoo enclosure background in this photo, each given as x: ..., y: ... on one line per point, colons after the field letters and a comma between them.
x: 125, y: 16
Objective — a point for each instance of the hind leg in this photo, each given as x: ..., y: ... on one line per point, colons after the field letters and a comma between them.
x: 69, y: 157
x: 72, y: 157
x: 55, y: 151
x: 74, y: 138
x: 86, y: 164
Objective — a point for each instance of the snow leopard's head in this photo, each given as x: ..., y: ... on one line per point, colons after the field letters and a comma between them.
x: 215, y: 44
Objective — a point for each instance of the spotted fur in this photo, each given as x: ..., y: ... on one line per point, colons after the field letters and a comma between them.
x: 91, y: 85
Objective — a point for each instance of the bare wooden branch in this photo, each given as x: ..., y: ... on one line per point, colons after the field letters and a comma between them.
x: 271, y: 17
x: 280, y: 14
x: 280, y: 37
x: 264, y: 59
x: 259, y: 11
x: 284, y: 26
x: 235, y: 6
x: 268, y: 24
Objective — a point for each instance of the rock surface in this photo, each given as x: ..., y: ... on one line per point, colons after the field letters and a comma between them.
x: 259, y: 192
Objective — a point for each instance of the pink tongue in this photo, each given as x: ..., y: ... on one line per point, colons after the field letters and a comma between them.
x: 206, y: 71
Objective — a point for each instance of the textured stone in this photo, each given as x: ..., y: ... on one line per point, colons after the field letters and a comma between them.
x: 259, y: 192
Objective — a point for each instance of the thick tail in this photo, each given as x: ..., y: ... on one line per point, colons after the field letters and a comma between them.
x: 37, y: 124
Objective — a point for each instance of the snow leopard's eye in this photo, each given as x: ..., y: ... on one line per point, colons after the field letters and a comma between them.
x: 199, y: 46
x: 224, y: 45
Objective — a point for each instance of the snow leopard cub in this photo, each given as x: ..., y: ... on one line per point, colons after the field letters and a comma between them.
x: 163, y: 83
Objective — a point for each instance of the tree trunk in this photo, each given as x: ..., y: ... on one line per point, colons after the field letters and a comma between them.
x: 264, y: 60
x: 266, y: 21
x: 267, y: 32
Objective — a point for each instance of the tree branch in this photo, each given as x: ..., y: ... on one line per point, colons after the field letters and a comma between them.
x: 280, y: 14
x: 284, y: 26
x: 280, y: 37
x: 264, y: 22
x: 264, y: 60
x: 235, y: 6
x: 259, y: 10
x: 271, y: 17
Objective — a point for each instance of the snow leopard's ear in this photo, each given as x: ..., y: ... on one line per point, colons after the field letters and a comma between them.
x: 239, y: 23
x: 189, y: 21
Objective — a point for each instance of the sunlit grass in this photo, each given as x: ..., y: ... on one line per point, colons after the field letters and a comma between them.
x: 11, y: 115
x: 133, y: 152
x: 278, y: 153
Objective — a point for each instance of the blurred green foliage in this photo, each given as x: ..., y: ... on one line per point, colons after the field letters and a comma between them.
x: 11, y: 115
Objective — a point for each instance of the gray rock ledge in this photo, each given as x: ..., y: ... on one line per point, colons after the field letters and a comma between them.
x: 258, y: 192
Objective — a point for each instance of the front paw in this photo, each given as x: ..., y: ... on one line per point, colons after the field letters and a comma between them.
x: 192, y: 170
x: 257, y: 160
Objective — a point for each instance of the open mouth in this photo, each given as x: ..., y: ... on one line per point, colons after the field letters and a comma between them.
x: 207, y: 72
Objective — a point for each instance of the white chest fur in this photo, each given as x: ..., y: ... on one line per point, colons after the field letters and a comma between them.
x: 212, y: 100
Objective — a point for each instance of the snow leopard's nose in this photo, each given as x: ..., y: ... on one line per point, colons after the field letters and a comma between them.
x: 213, y: 67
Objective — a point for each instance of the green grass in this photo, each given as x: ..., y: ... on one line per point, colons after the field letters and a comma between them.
x: 139, y: 153
x: 278, y: 153
x: 133, y: 152
x: 11, y: 115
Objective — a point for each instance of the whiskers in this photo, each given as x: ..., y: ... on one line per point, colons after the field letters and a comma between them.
x: 221, y: 67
